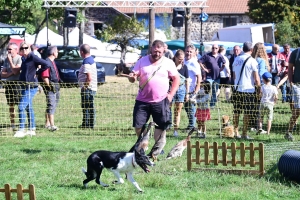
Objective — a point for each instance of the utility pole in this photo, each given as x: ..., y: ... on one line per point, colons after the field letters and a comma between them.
x: 151, y: 26
x: 187, y: 31
x: 81, y: 28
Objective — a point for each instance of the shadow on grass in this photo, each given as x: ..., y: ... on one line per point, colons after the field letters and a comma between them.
x: 90, y: 187
x: 273, y: 175
x: 31, y: 151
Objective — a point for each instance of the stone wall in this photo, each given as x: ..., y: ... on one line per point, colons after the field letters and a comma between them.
x: 215, y: 22
x: 209, y: 28
x: 98, y: 15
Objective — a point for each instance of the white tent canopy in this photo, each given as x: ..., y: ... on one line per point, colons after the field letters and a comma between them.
x: 54, y: 38
x: 74, y: 39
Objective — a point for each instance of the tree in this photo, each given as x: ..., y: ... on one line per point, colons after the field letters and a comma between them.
x: 285, y: 34
x: 122, y: 31
x: 280, y: 12
x: 26, y: 13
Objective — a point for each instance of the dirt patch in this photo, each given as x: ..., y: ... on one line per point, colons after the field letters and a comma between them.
x: 116, y: 79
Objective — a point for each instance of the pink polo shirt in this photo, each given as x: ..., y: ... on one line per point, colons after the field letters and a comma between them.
x: 157, y: 88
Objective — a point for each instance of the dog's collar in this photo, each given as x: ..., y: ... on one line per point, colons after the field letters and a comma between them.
x: 133, y: 162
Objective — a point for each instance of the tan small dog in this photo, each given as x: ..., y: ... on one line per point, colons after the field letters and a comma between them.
x: 227, y: 129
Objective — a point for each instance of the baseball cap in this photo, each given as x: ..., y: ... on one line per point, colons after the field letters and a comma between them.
x: 267, y: 75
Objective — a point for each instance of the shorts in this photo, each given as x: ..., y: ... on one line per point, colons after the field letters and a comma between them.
x: 296, y: 95
x: 52, y: 101
x: 159, y: 111
x: 266, y: 109
x: 224, y: 82
x: 202, y: 115
x: 245, y: 102
x: 180, y: 94
x: 12, y: 92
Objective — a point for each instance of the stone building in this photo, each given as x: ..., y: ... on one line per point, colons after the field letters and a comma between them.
x: 222, y: 14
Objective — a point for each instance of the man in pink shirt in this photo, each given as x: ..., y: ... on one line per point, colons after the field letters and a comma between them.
x: 155, y: 94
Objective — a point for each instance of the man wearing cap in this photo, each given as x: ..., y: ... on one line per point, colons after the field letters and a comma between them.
x: 245, y: 80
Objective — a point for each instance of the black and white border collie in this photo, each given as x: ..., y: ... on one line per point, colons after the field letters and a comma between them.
x: 116, y: 162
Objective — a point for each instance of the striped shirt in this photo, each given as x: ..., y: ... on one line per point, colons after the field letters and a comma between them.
x: 88, y: 66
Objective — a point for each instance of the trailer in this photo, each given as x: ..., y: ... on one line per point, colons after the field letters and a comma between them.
x: 241, y: 33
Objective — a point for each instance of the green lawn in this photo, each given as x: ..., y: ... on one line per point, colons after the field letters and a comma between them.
x: 52, y: 161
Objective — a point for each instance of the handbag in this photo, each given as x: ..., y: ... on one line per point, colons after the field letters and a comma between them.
x: 234, y: 89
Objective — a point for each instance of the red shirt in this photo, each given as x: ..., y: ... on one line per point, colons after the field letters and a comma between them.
x: 46, y: 73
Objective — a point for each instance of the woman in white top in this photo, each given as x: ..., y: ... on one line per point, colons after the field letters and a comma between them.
x: 225, y: 75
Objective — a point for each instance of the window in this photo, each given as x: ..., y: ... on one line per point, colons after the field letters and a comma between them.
x: 229, y: 21
x: 98, y: 26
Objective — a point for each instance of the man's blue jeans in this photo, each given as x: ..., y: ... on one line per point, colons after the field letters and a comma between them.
x: 27, y: 95
x: 283, y: 92
x: 88, y: 109
x: 190, y: 109
x: 214, y: 84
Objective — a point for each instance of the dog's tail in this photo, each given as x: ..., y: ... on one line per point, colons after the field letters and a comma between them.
x: 83, y: 171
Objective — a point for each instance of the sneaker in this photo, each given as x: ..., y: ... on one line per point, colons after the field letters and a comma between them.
x: 14, y: 128
x: 260, y: 131
x: 20, y: 134
x: 175, y: 134
x: 31, y: 133
x: 202, y: 136
x: 53, y: 128
x: 47, y: 127
x: 253, y: 129
x: 246, y: 137
x: 289, y: 137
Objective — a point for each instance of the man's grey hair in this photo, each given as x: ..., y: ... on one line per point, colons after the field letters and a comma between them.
x: 51, y: 50
x: 247, y: 46
x: 191, y: 46
x: 15, y: 46
x: 286, y: 45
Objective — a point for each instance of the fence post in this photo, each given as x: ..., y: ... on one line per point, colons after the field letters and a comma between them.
x: 261, y: 159
x: 31, y: 192
x: 189, y: 156
x: 233, y: 153
x: 19, y: 192
x: 242, y: 152
x: 7, y: 192
x: 252, y: 162
x: 216, y: 160
x: 198, y: 152
x: 224, y: 153
x: 206, y: 153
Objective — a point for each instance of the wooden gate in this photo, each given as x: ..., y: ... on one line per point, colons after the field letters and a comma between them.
x: 246, y: 156
x: 20, y: 192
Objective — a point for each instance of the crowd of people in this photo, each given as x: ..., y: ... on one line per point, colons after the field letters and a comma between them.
x: 251, y: 78
x: 24, y: 69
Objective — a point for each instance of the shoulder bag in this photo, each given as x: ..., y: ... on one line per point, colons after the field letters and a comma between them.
x: 234, y: 88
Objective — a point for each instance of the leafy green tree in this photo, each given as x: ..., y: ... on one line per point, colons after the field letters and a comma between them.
x: 29, y: 14
x: 122, y: 31
x: 286, y: 34
x: 280, y: 12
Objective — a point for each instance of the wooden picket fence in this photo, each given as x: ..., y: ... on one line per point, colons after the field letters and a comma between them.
x: 225, y: 156
x: 20, y: 192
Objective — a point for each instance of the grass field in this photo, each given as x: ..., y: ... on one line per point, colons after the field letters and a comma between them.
x: 52, y: 161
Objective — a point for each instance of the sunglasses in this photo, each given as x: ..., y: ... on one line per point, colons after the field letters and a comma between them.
x: 22, y: 48
x: 215, y: 48
x: 8, y: 49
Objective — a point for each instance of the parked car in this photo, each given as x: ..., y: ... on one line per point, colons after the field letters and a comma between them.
x: 68, y: 63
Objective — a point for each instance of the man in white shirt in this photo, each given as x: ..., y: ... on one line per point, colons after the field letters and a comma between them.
x: 245, y: 80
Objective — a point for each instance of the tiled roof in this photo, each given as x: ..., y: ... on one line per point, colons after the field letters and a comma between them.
x: 214, y: 7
